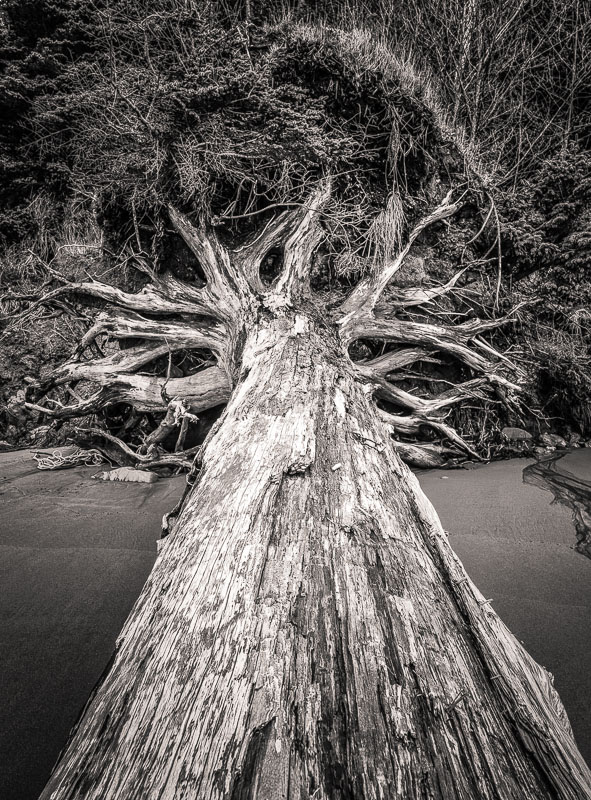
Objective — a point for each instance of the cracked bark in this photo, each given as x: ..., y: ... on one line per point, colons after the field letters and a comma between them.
x: 307, y: 630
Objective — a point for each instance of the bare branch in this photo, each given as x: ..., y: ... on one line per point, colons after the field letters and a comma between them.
x: 177, y: 416
x: 123, y: 361
x: 180, y: 335
x: 201, y: 391
x: 452, y: 340
x: 404, y: 298
x: 396, y: 359
x: 409, y: 426
x: 147, y: 460
x: 364, y: 297
x: 165, y: 296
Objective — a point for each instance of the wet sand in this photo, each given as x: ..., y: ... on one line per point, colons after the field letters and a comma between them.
x: 517, y: 545
x: 578, y: 463
x: 74, y: 554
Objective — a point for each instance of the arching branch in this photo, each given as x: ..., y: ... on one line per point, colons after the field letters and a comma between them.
x: 364, y: 297
x: 453, y: 339
x: 386, y: 390
x: 126, y: 361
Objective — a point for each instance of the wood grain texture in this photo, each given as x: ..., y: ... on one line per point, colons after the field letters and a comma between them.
x: 307, y: 631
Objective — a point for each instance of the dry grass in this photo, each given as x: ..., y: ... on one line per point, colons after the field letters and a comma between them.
x: 369, y: 51
x: 384, y: 235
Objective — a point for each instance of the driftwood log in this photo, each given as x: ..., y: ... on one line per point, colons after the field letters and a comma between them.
x: 307, y: 631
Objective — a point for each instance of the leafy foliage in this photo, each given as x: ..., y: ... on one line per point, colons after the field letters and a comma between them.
x: 562, y: 378
x: 547, y: 232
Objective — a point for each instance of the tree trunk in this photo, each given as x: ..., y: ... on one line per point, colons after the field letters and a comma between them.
x: 307, y: 632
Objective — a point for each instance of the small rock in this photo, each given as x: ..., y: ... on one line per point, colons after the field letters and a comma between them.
x: 543, y: 451
x: 552, y: 440
x: 519, y: 449
x: 12, y: 432
x: 38, y: 435
x: 516, y: 434
x: 575, y: 440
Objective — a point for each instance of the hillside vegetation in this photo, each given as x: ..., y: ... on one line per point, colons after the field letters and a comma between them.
x: 231, y: 113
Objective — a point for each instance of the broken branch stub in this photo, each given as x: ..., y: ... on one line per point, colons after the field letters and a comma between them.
x: 293, y: 283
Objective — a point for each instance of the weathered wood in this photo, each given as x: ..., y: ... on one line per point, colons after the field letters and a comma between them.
x: 293, y: 283
x: 251, y: 254
x: 396, y: 359
x: 307, y: 631
x: 227, y: 284
x: 418, y: 296
x: 165, y: 294
x: 366, y: 294
x: 411, y: 425
x: 177, y: 415
x: 206, y: 389
x: 453, y: 340
x: 129, y: 360
x: 181, y: 334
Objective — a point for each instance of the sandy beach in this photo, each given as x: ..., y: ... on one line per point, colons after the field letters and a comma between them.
x: 518, y: 547
x: 75, y: 553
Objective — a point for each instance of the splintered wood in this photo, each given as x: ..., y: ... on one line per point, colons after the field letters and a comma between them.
x: 307, y: 632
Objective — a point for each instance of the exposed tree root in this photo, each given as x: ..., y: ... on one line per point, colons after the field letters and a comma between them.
x: 429, y: 343
x: 366, y: 294
x: 169, y: 317
x: 147, y: 393
x: 177, y: 414
x: 153, y: 457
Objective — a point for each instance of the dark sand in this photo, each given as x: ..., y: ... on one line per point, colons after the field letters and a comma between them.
x: 75, y: 553
x: 517, y: 546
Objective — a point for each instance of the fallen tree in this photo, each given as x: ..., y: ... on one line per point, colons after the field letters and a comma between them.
x: 168, y: 317
x: 307, y: 630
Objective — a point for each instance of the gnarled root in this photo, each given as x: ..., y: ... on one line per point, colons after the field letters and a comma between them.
x: 413, y: 326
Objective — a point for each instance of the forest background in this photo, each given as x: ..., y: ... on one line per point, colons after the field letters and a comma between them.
x: 111, y: 111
